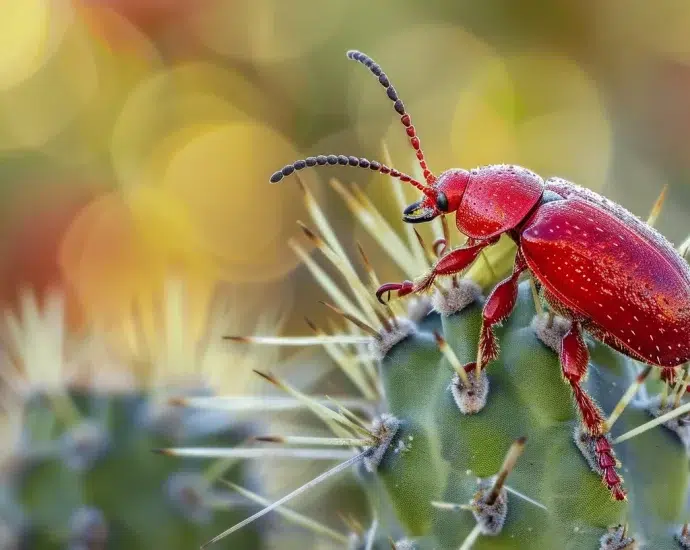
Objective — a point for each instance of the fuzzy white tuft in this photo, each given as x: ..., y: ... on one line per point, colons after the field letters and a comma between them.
x: 551, y: 334
x: 389, y: 338
x: 471, y: 398
x: 456, y: 298
x: 418, y: 308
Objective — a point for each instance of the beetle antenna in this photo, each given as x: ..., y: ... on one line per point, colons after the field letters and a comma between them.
x: 399, y: 107
x: 342, y: 160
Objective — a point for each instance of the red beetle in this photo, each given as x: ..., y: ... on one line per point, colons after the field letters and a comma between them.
x: 599, y: 265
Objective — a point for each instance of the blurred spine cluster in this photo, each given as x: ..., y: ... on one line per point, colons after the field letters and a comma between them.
x: 78, y: 469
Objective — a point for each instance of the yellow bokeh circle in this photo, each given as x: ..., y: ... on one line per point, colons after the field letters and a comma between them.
x: 30, y: 31
x: 167, y: 102
x: 542, y: 112
x: 560, y: 124
x: 221, y: 175
x: 429, y: 65
x: 122, y: 248
x: 51, y: 94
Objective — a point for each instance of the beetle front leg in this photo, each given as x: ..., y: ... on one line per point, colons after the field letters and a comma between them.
x: 454, y: 262
x: 497, y: 308
x: 574, y: 360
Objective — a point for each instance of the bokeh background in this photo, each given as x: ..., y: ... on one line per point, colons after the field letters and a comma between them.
x: 137, y: 138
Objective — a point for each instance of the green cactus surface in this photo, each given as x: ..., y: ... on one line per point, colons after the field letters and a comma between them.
x: 448, y: 452
x: 94, y: 483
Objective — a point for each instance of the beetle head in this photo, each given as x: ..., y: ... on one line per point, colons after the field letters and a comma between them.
x: 443, y: 197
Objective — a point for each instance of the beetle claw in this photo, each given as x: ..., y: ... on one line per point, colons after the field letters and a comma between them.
x: 403, y: 289
x: 439, y: 247
x: 619, y: 494
x: 607, y: 462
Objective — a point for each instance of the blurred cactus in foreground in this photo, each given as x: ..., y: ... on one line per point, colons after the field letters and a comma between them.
x: 452, y: 459
x: 78, y: 469
x: 96, y: 484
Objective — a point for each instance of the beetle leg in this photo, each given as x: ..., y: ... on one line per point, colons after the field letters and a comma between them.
x: 574, y: 359
x: 497, y: 308
x: 460, y: 259
x: 403, y: 289
x: 451, y: 263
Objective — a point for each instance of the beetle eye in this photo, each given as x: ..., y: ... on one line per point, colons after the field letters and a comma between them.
x: 442, y: 202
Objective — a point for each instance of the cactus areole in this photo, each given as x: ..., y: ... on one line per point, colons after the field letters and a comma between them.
x: 596, y: 264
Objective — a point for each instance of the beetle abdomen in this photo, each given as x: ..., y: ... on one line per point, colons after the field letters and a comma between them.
x: 628, y: 285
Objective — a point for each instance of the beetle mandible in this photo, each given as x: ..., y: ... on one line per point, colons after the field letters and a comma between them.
x: 598, y: 265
